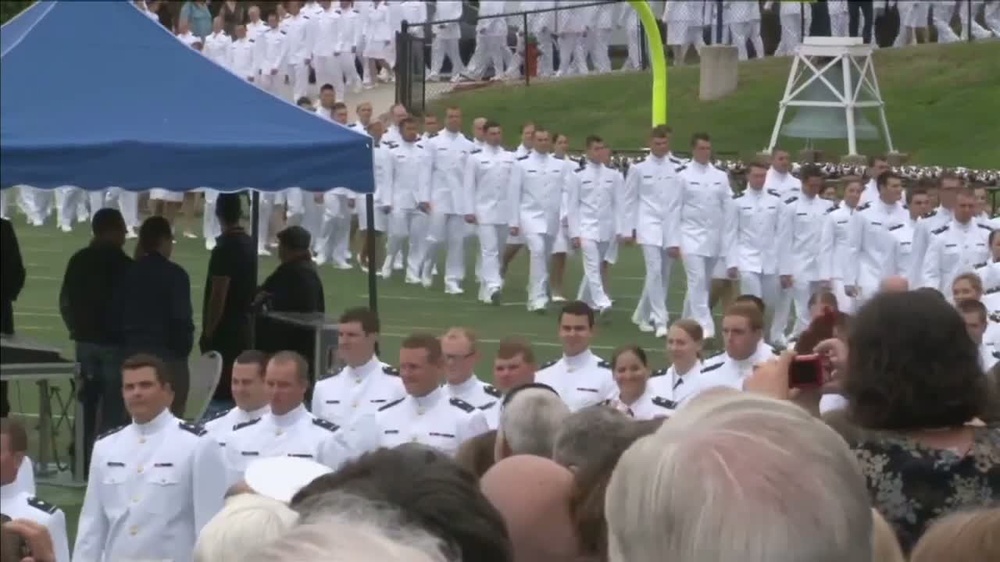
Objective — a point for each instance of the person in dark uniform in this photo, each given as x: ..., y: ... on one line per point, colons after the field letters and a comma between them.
x: 152, y: 306
x: 84, y: 301
x: 229, y: 292
x: 294, y: 286
x: 12, y: 275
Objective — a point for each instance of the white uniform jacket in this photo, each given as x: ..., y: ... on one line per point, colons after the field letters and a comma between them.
x: 224, y: 422
x: 272, y: 51
x: 581, y: 380
x: 954, y: 249
x: 595, y: 206
x: 840, y: 223
x: 537, y: 183
x: 673, y: 386
x: 652, y: 193
x: 448, y: 153
x: 487, y: 185
x: 356, y: 391
x: 410, y: 172
x: 242, y: 60
x: 435, y: 420
x: 873, y: 254
x: 803, y: 250
x: 698, y: 226
x: 22, y: 505
x: 755, y: 215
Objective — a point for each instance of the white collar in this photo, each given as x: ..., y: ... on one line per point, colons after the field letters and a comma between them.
x: 427, y: 401
x: 254, y: 414
x: 466, y: 385
x: 292, y: 417
x: 161, y: 421
x: 361, y: 372
x: 580, y: 360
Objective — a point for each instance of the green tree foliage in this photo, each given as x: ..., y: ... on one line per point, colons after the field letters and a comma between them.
x: 11, y: 8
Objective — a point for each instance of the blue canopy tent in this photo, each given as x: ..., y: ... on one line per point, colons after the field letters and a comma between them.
x: 95, y: 94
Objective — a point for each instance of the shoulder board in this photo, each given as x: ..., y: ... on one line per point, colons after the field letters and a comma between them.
x: 418, y: 145
x: 720, y: 356
x: 252, y: 40
x: 791, y: 199
x: 939, y: 230
x: 192, y: 428
x: 675, y: 160
x: 305, y: 16
x: 283, y: 32
x: 895, y: 227
x: 682, y: 167
x: 980, y: 265
x: 476, y: 151
x: 929, y: 214
x: 660, y: 372
x: 525, y: 157
x: 462, y: 405
x: 432, y: 135
x: 995, y: 317
x: 245, y: 424
x: 327, y: 425
x: 831, y: 209
x: 42, y: 505
x: 548, y: 364
x: 863, y: 207
x: 774, y: 192
x: 492, y: 391
x: 390, y: 370
x: 111, y: 431
x: 217, y: 415
x: 391, y: 404
x: 906, y: 207
x: 603, y: 364
x: 488, y: 406
x: 580, y: 169
x: 987, y: 227
x: 664, y: 403
x: 738, y: 195
x: 712, y: 367
x: 389, y: 143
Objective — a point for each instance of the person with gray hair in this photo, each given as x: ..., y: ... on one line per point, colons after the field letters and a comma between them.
x: 737, y: 477
x: 588, y: 436
x: 531, y: 416
x: 245, y: 524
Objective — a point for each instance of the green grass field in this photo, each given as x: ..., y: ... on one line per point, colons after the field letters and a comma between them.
x: 939, y: 104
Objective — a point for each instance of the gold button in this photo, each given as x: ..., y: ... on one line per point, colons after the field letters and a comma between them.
x: 133, y: 531
x: 142, y: 440
x: 278, y: 432
x: 357, y: 381
x: 140, y: 469
x: 420, y: 412
x: 414, y: 439
x: 135, y: 500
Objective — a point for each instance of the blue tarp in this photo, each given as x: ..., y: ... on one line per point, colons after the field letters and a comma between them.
x: 95, y: 94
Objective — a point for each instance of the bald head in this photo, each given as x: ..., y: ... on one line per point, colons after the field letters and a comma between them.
x: 533, y: 496
x: 894, y: 284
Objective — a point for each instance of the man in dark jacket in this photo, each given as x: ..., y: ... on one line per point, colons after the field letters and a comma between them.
x: 12, y: 276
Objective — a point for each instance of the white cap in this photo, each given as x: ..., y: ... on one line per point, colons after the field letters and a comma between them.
x: 280, y: 478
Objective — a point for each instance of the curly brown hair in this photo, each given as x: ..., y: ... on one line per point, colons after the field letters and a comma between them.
x: 912, y: 365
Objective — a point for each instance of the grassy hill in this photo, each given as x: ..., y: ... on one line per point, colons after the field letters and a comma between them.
x: 941, y: 105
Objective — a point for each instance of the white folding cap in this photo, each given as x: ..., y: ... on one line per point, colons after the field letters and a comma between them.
x: 280, y: 478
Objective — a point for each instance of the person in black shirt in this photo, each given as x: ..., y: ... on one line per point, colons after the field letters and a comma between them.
x: 84, y: 302
x: 12, y: 276
x: 229, y: 291
x: 152, y: 307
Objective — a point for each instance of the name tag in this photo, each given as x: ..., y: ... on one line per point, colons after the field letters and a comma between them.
x: 119, y: 464
x: 391, y: 432
x: 435, y: 434
x: 250, y: 453
x: 300, y: 456
x: 333, y: 401
x: 163, y: 465
x: 594, y: 390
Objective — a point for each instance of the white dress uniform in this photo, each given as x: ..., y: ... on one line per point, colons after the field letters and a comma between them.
x: 581, y: 380
x: 256, y: 28
x: 241, y: 59
x: 756, y: 214
x: 294, y: 434
x: 571, y: 29
x: 602, y: 22
x: 795, y: 17
x: 869, y: 193
x: 542, y: 25
x: 448, y: 153
x: 217, y: 47
x: 785, y: 184
x: 921, y: 239
x: 699, y: 229
x: 873, y: 249
x: 491, y: 40
x: 323, y: 39
x: 223, y: 423
x: 518, y: 239
x: 350, y: 29
x: 649, y: 406
x: 25, y: 481
x: 67, y: 199
x: 673, y: 386
x: 17, y: 504
x: 805, y: 254
x: 723, y: 370
x: 189, y: 39
x: 840, y: 222
x: 743, y: 21
x: 299, y: 52
x: 435, y: 420
x: 596, y: 215
x: 954, y: 249
x: 475, y: 392
x: 903, y: 234
x: 409, y: 184
x: 445, y: 42
x: 152, y: 487
x: 536, y: 188
x: 380, y: 159
x: 685, y: 23
x: 487, y: 189
x: 356, y: 391
x: 379, y: 32
x: 272, y: 54
x: 562, y: 245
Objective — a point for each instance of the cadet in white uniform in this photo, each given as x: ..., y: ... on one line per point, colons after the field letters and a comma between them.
x: 461, y: 352
x: 272, y: 54
x: 217, y: 44
x: 299, y: 49
x: 795, y: 17
x: 323, y: 41
x: 289, y: 429
x: 779, y: 177
x: 249, y: 393
x: 571, y: 30
x: 408, y: 196
x: 445, y: 43
x: 699, y: 229
x: 602, y: 22
x: 918, y: 203
x: 873, y: 248
x: 948, y: 187
x: 154, y: 483
x: 635, y: 395
x: 241, y: 59
x: 840, y: 223
x: 580, y: 377
x: 956, y: 247
x: 684, y: 345
x: 365, y: 383
x: 427, y: 415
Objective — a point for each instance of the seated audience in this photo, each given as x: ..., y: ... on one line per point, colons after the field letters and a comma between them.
x: 246, y: 523
x: 970, y: 536
x: 588, y: 437
x: 476, y: 455
x: 529, y: 420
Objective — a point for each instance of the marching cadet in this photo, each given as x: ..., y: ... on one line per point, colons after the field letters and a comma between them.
x: 217, y: 44
x: 249, y: 394
x: 289, y: 429
x: 795, y: 17
x: 185, y: 35
x: 153, y: 479
x: 918, y: 204
x: 877, y: 165
x: 447, y: 152
x: 602, y: 18
x: 379, y: 36
x: 349, y: 37
x: 685, y: 27
x: 948, y: 187
x: 335, y: 231
x: 516, y: 242
x: 595, y: 213
x: 580, y: 377
x: 323, y: 38
x: 561, y: 247
x: 427, y: 414
x: 571, y: 35
x: 537, y: 182
x: 445, y: 42
x: 255, y: 26
x: 872, y: 256
x: 19, y: 503
x: 756, y: 213
x: 365, y: 383
x: 240, y: 60
x: 408, y: 196
x: 651, y: 190
x: 299, y: 49
x: 272, y: 53
x: 840, y: 223
x: 743, y: 20
x: 804, y: 254
x: 461, y: 353
x: 487, y: 184
x: 380, y: 158
x: 699, y: 234
x: 541, y: 24
x: 956, y: 247
x: 743, y: 335
x: 779, y: 175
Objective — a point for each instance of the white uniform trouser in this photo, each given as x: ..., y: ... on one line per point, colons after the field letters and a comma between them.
x: 493, y: 53
x: 991, y: 15
x: 67, y: 200
x: 840, y: 24
x: 36, y: 203
x: 597, y: 48
x: 5, y: 196
x: 844, y: 303
x: 361, y: 206
x: 744, y: 32
x: 210, y: 227
x: 447, y: 230
x: 492, y: 241
x: 699, y: 274
x: 539, y: 250
x: 298, y: 75
x: 97, y: 201
x: 546, y: 54
x: 264, y: 219
x: 304, y: 211
x: 128, y: 204
x: 791, y: 33
x: 592, y: 290
x: 799, y: 293
x: 652, y: 305
x: 403, y: 225
x: 572, y: 54
x: 335, y: 229
x: 978, y: 31
x: 348, y: 70
x: 328, y: 72
x: 271, y: 83
x: 761, y: 285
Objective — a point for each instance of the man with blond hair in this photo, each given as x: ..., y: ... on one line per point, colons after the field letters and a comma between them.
x: 461, y: 354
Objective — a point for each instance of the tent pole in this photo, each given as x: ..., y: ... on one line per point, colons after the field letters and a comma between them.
x: 370, y: 248
x: 255, y: 236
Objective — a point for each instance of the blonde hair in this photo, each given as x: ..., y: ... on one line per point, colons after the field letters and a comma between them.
x: 461, y: 332
x: 970, y: 536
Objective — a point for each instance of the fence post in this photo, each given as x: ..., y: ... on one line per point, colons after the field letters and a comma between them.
x: 644, y: 47
x: 526, y: 49
x: 968, y: 23
x: 404, y: 89
x: 718, y: 22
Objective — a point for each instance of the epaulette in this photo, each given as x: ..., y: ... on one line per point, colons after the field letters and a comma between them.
x: 863, y: 207
x: 675, y: 160
x: 738, y: 195
x: 604, y: 364
x: 664, y: 403
x: 488, y: 406
x: 548, y: 364
x: 995, y: 317
x: 939, y: 230
x: 192, y: 428
x: 391, y: 404
x: 432, y: 135
x: 476, y: 151
x: 895, y: 227
x: 992, y: 291
x: 390, y: 370
x: 327, y: 425
x: 681, y: 168
x: 720, y: 356
x: 252, y: 40
x: 929, y: 214
x: 283, y: 32
x: 245, y: 424
x: 712, y: 367
x: 418, y: 145
x: 791, y: 199
x: 774, y: 192
x: 580, y: 169
x: 559, y: 157
x: 831, y: 209
x: 216, y: 415
x: 462, y: 404
x: 492, y: 391
x: 525, y: 157
x: 389, y: 143
x: 906, y: 207
x: 982, y: 264
x: 42, y: 505
x: 111, y: 432
x: 981, y: 225
x: 660, y: 372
